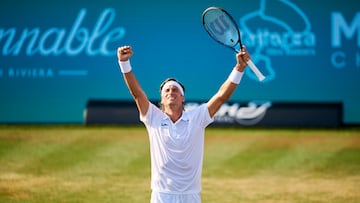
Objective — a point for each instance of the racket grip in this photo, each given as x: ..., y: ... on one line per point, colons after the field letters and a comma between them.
x: 253, y: 67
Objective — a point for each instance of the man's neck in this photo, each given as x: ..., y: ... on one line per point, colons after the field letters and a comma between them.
x: 174, y: 114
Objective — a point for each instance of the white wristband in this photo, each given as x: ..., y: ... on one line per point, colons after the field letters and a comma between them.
x: 125, y: 66
x: 235, y: 76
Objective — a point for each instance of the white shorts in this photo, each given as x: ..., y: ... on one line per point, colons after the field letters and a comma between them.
x: 159, y: 197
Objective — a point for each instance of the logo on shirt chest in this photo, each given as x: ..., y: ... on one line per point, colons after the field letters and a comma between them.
x: 164, y: 124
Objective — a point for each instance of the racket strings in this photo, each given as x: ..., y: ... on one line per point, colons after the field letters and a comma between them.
x: 221, y: 27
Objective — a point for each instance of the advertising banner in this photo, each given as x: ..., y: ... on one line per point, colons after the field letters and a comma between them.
x: 57, y: 55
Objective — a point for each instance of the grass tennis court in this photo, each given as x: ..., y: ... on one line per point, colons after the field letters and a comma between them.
x: 112, y: 164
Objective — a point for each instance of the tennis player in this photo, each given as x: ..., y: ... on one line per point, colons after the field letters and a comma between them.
x: 177, y: 136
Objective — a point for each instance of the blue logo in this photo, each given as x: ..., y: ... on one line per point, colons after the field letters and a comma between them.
x: 286, y: 32
x: 57, y: 41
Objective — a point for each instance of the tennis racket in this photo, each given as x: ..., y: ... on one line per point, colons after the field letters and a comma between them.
x: 223, y: 28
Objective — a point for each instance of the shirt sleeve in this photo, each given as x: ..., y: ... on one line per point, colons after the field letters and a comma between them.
x: 152, y: 112
x: 207, y: 118
x: 146, y: 118
x: 201, y: 115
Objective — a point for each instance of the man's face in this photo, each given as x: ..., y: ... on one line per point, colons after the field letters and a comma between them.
x: 171, y: 95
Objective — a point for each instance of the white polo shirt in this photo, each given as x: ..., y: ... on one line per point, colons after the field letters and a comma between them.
x: 176, y: 149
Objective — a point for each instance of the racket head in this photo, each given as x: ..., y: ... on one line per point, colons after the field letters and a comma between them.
x: 221, y: 27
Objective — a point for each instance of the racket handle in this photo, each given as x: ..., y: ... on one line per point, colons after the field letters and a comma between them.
x: 253, y: 67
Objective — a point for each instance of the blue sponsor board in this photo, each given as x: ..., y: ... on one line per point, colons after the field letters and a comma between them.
x: 57, y: 55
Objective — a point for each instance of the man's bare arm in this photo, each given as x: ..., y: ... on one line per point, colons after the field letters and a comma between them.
x: 229, y: 86
x: 142, y: 102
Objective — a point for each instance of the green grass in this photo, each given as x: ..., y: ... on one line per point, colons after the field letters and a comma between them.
x: 112, y: 164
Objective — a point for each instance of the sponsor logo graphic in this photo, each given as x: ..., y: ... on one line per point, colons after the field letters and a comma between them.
x: 345, y: 33
x: 72, y: 41
x: 55, y: 41
x: 237, y: 114
x: 284, y: 31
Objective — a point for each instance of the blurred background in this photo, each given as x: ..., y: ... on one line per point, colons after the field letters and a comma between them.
x: 56, y: 56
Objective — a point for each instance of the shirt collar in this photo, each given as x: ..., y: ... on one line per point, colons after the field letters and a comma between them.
x: 184, y: 117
